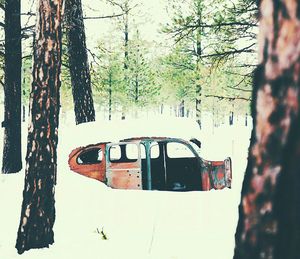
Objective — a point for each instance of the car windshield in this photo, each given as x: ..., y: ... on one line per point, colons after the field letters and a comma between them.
x: 195, y: 147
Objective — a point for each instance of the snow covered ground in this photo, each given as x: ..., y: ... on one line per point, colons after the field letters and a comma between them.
x: 138, y: 224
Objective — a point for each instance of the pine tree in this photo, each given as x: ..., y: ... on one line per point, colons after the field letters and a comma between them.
x: 12, y: 148
x: 78, y: 63
x: 269, y: 225
x: 38, y: 210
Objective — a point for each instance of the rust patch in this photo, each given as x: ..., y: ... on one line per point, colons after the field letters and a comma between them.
x: 95, y: 171
x: 124, y: 179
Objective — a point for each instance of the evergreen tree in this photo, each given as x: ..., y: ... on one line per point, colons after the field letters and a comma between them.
x: 12, y: 147
x: 269, y: 225
x: 38, y: 210
x: 78, y: 63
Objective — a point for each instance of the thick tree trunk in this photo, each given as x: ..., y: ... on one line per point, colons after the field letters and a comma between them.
x: 78, y: 62
x: 269, y: 225
x: 38, y: 210
x: 12, y: 147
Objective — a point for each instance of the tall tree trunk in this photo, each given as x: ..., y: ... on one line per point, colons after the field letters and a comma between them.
x: 78, y: 62
x: 110, y: 96
x: 38, y: 210
x: 269, y: 225
x: 126, y: 36
x: 136, y: 91
x: 12, y: 147
x: 126, y: 50
x: 198, y: 54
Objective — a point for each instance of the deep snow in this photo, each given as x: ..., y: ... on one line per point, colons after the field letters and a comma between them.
x: 138, y: 224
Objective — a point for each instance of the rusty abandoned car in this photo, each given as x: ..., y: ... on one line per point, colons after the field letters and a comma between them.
x: 166, y: 164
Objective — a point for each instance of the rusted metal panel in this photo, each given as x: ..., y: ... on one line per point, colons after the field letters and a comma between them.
x: 144, y: 138
x: 95, y: 171
x: 217, y: 174
x: 205, y: 171
x: 122, y: 165
x: 124, y: 179
x: 228, y: 171
x: 124, y: 175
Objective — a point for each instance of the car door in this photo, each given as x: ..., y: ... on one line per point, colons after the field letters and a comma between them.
x: 89, y: 161
x: 123, y: 169
x: 216, y: 174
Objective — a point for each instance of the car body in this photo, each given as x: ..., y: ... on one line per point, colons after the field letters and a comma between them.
x: 151, y: 163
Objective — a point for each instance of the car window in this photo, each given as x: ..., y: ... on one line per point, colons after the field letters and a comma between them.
x: 115, y: 153
x: 176, y: 150
x: 91, y: 156
x: 143, y: 151
x: 154, y: 150
x: 132, y: 151
x: 196, y: 148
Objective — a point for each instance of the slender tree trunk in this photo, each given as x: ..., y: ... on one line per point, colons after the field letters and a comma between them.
x: 110, y: 96
x: 136, y: 91
x: 231, y: 118
x: 38, y: 210
x: 12, y: 147
x: 23, y: 91
x: 78, y: 62
x: 198, y: 53
x: 269, y: 225
x: 126, y: 51
x: 181, y: 109
x: 162, y: 108
x: 24, y: 113
x: 126, y: 35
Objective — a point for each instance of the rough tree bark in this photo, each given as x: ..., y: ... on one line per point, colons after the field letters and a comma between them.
x: 78, y: 63
x: 269, y: 225
x: 12, y: 147
x: 38, y: 210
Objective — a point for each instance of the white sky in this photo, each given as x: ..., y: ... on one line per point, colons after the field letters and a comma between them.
x: 149, y: 15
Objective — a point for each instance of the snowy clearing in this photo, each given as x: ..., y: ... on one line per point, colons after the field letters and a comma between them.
x: 138, y: 224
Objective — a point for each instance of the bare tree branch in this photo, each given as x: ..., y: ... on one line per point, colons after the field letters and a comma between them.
x: 103, y: 17
x: 228, y: 98
x: 28, y: 27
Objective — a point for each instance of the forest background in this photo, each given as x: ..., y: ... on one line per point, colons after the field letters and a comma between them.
x: 174, y: 57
